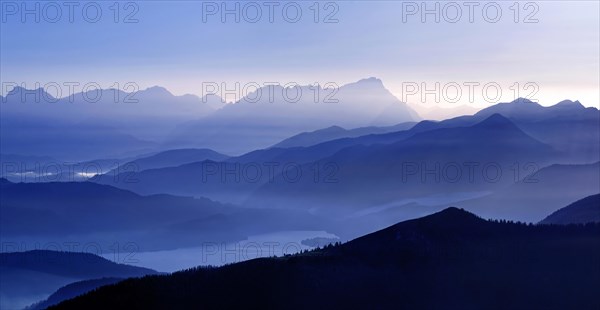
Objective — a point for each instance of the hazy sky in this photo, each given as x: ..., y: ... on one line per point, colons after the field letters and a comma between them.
x: 180, y: 46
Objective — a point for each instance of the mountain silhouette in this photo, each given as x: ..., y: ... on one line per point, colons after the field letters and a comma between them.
x: 48, y: 215
x: 22, y: 94
x: 95, y: 124
x: 29, y: 276
x: 525, y: 109
x: 574, y: 136
x: 268, y: 116
x: 495, y: 140
x: 582, y: 211
x: 170, y: 158
x: 568, y: 126
x: 156, y: 222
x: 71, y: 264
x: 451, y: 259
x: 73, y: 290
x: 538, y: 192
x: 307, y: 139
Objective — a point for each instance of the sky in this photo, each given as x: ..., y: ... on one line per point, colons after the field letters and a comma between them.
x: 547, y: 51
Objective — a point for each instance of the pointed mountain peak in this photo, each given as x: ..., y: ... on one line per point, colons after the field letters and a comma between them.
x: 495, y: 120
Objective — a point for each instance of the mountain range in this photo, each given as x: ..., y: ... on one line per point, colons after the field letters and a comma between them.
x: 267, y: 116
x: 94, y: 124
x: 121, y: 124
x: 156, y: 222
x: 379, y: 157
x: 307, y: 139
x: 310, y: 166
x: 111, y: 122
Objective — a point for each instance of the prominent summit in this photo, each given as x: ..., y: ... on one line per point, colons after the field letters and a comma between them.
x: 271, y: 114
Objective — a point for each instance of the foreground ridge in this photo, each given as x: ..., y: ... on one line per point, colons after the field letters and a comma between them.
x: 450, y: 259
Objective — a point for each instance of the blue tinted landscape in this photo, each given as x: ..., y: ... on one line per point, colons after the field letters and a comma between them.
x: 298, y: 155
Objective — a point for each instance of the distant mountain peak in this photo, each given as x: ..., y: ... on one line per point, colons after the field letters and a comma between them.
x: 451, y: 219
x: 453, y: 210
x: 371, y: 79
x: 453, y: 213
x: 496, y: 120
x: 582, y: 211
x: 526, y: 110
x: 334, y: 128
x: 18, y: 91
x: 570, y: 103
x: 158, y: 90
x: 523, y: 101
x: 371, y: 82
